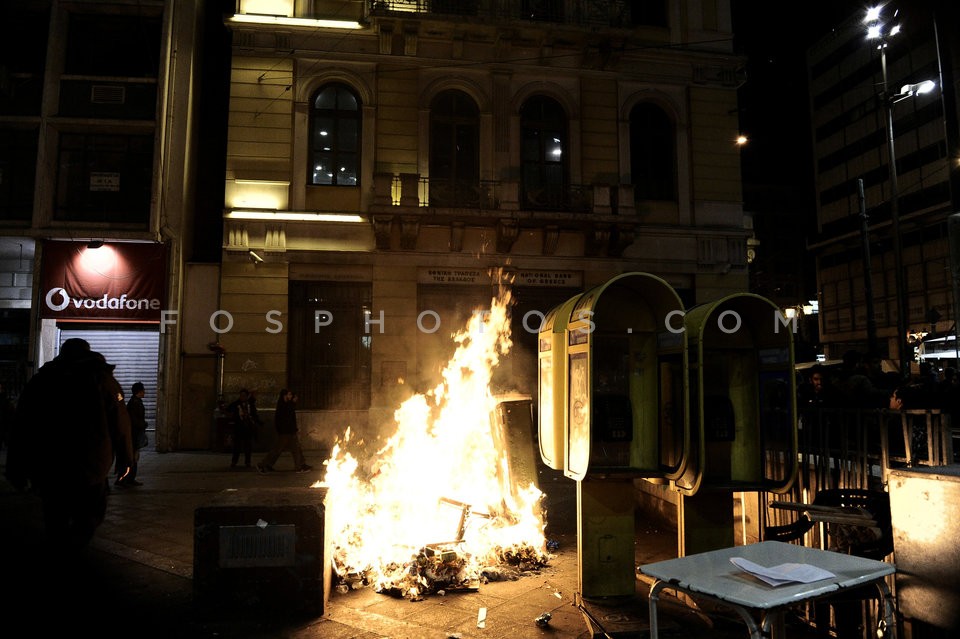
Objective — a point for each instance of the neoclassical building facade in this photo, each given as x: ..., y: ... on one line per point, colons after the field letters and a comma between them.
x: 388, y: 162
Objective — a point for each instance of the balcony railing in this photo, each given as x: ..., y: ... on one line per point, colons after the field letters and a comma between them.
x: 413, y: 191
x: 587, y: 13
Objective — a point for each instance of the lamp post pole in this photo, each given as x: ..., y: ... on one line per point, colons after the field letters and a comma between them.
x: 901, y: 293
x: 867, y: 273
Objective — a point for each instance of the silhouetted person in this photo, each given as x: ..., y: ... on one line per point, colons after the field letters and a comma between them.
x: 858, y: 385
x: 285, y: 421
x: 246, y: 420
x: 71, y: 423
x: 138, y: 433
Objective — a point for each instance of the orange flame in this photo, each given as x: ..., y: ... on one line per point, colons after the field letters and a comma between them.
x: 439, y: 479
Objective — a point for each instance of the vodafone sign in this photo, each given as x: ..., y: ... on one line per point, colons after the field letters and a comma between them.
x: 116, y: 282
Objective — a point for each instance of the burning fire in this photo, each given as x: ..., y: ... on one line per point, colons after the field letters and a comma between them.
x: 437, y: 505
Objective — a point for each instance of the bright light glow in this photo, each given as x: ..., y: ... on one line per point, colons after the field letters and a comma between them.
x: 323, y: 133
x: 296, y: 22
x: 257, y: 194
x: 790, y: 312
x: 895, y: 30
x: 101, y: 260
x: 742, y: 139
x: 267, y: 7
x: 294, y: 216
x: 445, y: 461
x: 873, y: 32
x: 873, y: 14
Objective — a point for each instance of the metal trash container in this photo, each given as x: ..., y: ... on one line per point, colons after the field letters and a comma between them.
x: 926, y: 526
x: 263, y: 547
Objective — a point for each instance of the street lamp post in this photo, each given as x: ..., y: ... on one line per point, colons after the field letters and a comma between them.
x: 877, y: 29
x: 902, y: 305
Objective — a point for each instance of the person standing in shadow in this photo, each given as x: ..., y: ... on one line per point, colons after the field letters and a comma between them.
x: 138, y: 433
x: 71, y: 423
x: 246, y: 420
x: 287, y: 438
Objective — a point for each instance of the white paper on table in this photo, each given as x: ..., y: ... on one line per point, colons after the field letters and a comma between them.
x: 782, y: 574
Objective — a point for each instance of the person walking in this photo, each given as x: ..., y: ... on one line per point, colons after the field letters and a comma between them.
x: 285, y: 422
x: 71, y: 423
x: 246, y: 419
x: 138, y: 433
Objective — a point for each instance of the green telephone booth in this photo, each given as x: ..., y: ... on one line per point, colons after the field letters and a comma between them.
x: 742, y: 393
x: 622, y: 415
x: 551, y: 380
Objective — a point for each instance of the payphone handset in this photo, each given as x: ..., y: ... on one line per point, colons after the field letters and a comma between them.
x: 617, y: 352
x: 742, y: 397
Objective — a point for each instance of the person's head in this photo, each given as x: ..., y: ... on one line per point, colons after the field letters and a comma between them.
x: 244, y: 394
x: 74, y: 348
x: 904, y: 397
x: 137, y: 388
x: 102, y: 360
x: 817, y: 377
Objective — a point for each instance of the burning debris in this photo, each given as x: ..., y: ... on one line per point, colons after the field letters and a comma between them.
x: 387, y: 515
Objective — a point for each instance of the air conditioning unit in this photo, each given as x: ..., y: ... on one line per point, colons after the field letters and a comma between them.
x: 107, y: 94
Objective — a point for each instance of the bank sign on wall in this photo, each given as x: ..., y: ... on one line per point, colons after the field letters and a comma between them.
x: 119, y: 281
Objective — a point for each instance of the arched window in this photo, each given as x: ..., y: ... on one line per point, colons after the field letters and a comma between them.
x: 335, y: 136
x: 653, y: 153
x: 454, y: 150
x: 543, y: 150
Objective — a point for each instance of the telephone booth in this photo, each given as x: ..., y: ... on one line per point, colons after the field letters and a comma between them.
x: 622, y: 414
x: 743, y: 435
x: 551, y: 373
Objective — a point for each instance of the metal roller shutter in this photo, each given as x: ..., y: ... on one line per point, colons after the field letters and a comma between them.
x: 135, y: 354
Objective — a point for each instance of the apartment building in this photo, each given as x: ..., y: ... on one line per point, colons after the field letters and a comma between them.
x: 101, y: 140
x: 851, y: 91
x: 386, y: 160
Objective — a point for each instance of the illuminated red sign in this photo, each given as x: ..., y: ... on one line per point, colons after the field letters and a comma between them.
x: 120, y: 281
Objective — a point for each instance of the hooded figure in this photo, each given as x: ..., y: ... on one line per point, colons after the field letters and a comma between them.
x: 71, y: 422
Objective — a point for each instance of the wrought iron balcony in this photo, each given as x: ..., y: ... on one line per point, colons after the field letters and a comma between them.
x: 586, y: 13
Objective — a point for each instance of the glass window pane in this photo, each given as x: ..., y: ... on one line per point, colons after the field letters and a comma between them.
x: 322, y: 173
x: 347, y: 135
x: 326, y: 99
x: 346, y: 101
x: 347, y: 171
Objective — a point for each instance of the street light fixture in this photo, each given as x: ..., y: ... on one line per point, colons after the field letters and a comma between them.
x: 882, y: 30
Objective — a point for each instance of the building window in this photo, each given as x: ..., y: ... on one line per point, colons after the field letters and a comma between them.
x: 329, y: 344
x: 648, y: 13
x: 335, y: 137
x: 454, y: 150
x: 653, y: 155
x: 94, y: 40
x: 543, y: 152
x: 104, y: 178
x: 542, y: 10
x: 18, y: 165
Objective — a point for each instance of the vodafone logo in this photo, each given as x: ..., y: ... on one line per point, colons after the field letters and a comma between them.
x: 58, y: 299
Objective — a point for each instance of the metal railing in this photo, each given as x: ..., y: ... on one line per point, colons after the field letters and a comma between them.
x: 586, y: 13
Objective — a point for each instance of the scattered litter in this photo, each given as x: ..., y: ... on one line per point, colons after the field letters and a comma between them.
x: 441, y: 592
x: 482, y: 618
x: 543, y: 620
x: 455, y: 635
x: 261, y: 523
x: 552, y: 545
x: 557, y: 594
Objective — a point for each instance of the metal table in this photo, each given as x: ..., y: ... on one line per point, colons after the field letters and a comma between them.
x: 711, y: 575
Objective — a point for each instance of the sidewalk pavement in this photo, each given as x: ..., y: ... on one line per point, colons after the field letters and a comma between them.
x: 136, y: 578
